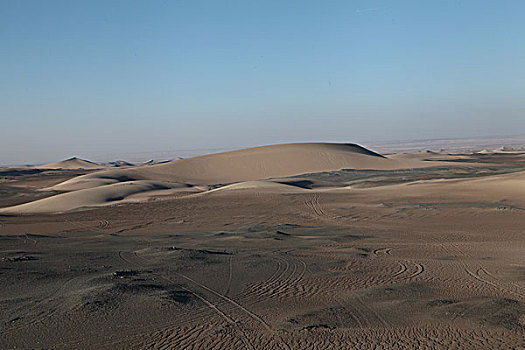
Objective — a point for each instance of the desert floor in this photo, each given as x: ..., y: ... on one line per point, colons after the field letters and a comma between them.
x: 429, y: 258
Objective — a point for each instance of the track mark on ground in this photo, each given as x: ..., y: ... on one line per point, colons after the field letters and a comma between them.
x: 419, y: 270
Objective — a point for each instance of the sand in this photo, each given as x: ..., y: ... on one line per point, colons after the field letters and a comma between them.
x: 71, y: 163
x: 90, y: 197
x: 272, y: 162
x: 341, y: 249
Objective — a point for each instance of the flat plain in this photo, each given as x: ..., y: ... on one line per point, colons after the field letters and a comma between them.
x: 304, y: 246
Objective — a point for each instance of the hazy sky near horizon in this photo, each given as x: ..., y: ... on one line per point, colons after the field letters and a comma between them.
x: 78, y: 77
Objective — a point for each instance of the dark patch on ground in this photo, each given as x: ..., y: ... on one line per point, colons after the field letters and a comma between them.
x: 134, y: 287
x: 330, y: 317
x: 497, y: 312
x: 440, y: 302
x: 126, y: 273
x: 19, y: 172
x: 206, y: 251
x: 372, y: 178
x: 22, y: 258
x: 282, y: 233
x: 181, y: 296
x: 317, y: 326
x: 306, y: 184
x: 401, y: 291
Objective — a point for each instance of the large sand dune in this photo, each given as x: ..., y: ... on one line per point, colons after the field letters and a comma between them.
x: 266, y: 162
x: 272, y: 161
x: 246, y: 165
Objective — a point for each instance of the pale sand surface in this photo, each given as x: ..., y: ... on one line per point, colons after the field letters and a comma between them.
x: 71, y: 163
x: 413, y: 251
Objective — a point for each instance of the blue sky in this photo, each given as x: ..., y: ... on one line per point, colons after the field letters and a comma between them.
x: 124, y: 76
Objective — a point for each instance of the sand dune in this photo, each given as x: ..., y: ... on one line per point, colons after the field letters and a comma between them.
x: 245, y: 165
x: 71, y: 163
x: 92, y: 180
x: 259, y: 163
x: 500, y: 187
x: 268, y: 186
x: 271, y: 162
x: 98, y: 196
x: 506, y: 188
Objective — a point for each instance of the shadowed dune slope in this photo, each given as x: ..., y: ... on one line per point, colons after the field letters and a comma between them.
x: 98, y: 196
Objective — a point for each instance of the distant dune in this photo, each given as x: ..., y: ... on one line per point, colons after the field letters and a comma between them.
x: 71, y: 163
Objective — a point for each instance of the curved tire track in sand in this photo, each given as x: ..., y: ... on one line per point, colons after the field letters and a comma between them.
x: 55, y: 307
x: 420, y: 268
x: 500, y: 286
x: 402, y: 269
x: 282, y: 285
x: 250, y: 313
x: 270, y: 281
x: 210, y: 304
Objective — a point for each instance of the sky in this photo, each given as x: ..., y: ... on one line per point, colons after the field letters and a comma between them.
x: 86, y: 77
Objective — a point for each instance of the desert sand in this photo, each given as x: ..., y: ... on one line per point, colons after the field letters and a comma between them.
x: 71, y: 163
x: 295, y: 246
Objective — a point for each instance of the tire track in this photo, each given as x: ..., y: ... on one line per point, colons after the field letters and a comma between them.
x: 313, y: 204
x: 51, y: 298
x: 369, y: 310
x: 352, y: 314
x: 233, y: 302
x: 228, y: 286
x: 477, y: 275
x: 403, y: 268
x: 284, y: 284
x: 420, y: 268
x: 292, y: 280
x: 270, y: 281
x: 210, y: 304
